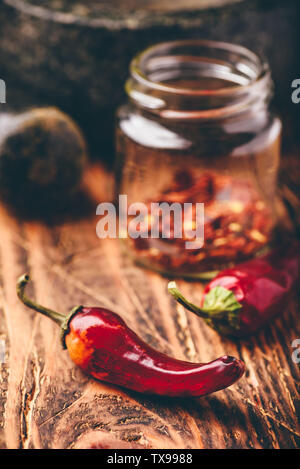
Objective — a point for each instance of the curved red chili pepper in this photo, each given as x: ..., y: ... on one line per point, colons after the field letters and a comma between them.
x: 102, y: 345
x: 240, y: 300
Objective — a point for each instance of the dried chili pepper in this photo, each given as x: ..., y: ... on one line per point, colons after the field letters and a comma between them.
x: 241, y: 299
x: 101, y: 344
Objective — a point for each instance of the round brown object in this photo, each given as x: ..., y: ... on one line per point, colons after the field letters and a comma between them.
x: 42, y: 157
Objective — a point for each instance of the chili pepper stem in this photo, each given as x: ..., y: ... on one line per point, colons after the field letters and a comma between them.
x: 61, y: 319
x: 54, y: 315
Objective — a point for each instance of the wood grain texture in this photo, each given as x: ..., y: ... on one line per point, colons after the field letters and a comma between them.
x: 46, y: 402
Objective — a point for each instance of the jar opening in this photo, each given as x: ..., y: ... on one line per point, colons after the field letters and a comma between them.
x: 182, y: 78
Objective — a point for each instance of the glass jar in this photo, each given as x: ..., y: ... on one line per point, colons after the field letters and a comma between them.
x: 197, y: 128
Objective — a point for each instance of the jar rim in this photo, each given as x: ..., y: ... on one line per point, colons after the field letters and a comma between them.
x: 137, y: 73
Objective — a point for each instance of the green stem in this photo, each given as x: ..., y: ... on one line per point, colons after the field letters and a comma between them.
x: 220, y: 308
x: 21, y: 286
x: 172, y: 288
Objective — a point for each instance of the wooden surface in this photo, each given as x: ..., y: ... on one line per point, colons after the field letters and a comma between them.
x: 46, y: 402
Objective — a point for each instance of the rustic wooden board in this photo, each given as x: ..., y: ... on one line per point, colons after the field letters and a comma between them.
x: 46, y: 402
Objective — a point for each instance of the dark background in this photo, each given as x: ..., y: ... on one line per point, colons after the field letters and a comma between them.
x: 77, y: 57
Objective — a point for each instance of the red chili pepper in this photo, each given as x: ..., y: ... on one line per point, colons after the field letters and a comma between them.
x: 101, y: 344
x: 240, y: 300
